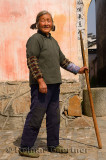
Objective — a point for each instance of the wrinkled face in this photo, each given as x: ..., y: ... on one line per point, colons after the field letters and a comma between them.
x: 45, y: 23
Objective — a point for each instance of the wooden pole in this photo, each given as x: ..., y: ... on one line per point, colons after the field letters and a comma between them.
x: 90, y: 95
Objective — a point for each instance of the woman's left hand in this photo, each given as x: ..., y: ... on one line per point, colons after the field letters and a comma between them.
x: 82, y: 70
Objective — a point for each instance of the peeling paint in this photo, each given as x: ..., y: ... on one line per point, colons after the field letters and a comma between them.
x: 15, y: 20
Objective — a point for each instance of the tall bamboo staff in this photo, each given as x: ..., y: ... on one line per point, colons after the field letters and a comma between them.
x: 90, y: 95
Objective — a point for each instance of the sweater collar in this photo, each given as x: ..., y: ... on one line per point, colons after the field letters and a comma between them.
x: 48, y: 36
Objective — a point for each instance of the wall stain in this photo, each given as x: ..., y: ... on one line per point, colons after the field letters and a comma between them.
x: 59, y: 21
x: 11, y: 11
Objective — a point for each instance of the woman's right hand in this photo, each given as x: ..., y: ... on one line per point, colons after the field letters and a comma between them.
x: 42, y: 85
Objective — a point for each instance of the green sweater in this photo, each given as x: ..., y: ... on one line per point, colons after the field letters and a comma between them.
x: 49, y: 55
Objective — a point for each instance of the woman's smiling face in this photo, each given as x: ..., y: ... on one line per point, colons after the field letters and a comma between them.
x: 45, y: 23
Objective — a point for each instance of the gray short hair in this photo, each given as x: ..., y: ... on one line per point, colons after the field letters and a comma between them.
x: 34, y: 26
x: 41, y: 14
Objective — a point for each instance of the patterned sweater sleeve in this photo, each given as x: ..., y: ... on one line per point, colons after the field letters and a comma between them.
x: 68, y: 65
x: 33, y: 66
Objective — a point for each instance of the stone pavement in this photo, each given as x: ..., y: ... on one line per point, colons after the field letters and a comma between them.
x: 80, y: 141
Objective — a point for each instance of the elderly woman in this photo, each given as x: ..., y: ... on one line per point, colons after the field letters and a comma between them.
x: 44, y: 58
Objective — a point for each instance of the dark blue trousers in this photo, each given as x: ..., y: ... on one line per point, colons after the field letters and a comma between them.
x: 40, y: 104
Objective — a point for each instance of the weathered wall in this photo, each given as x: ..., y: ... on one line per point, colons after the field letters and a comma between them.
x: 70, y: 16
x: 101, y: 41
x: 15, y: 20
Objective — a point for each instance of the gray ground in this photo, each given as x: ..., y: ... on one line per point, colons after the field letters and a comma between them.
x: 78, y: 136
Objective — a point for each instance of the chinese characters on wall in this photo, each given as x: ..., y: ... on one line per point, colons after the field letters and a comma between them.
x: 80, y: 18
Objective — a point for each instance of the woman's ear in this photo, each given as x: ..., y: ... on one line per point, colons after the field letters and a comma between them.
x: 53, y: 27
x: 37, y: 26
